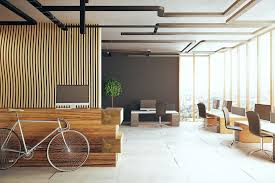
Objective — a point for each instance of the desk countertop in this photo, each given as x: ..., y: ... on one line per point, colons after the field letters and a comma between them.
x: 265, y: 125
x: 219, y: 113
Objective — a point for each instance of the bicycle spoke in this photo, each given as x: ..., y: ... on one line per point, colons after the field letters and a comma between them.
x: 11, y: 147
x: 66, y: 160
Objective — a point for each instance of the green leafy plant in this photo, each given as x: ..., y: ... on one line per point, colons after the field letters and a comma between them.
x: 112, y: 88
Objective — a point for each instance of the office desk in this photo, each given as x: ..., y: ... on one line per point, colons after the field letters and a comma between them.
x: 221, y: 121
x: 174, y: 117
x: 265, y: 126
x: 245, y: 136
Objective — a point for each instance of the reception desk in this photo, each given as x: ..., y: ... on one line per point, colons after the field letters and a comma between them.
x: 100, y: 126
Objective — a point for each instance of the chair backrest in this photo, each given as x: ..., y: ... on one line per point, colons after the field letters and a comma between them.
x: 238, y: 110
x: 272, y: 117
x: 229, y: 105
x: 216, y: 104
x: 171, y: 107
x: 160, y: 108
x: 148, y: 103
x: 254, y: 122
x: 226, y: 116
x: 263, y: 111
x: 202, y: 110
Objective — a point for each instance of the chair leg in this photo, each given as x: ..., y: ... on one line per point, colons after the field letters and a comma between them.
x: 233, y: 141
x: 261, y: 150
x: 162, y: 124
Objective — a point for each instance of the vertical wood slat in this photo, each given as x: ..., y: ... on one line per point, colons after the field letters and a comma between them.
x: 34, y: 59
x: 1, y: 70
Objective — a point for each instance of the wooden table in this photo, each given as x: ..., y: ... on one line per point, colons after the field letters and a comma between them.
x: 174, y: 117
x: 245, y: 136
x: 221, y: 121
x: 265, y: 126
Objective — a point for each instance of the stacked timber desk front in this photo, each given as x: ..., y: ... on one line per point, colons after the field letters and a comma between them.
x: 174, y: 117
x: 221, y: 121
x: 101, y: 127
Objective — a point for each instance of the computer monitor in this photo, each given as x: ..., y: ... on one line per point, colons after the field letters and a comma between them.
x: 72, y: 95
x: 148, y: 105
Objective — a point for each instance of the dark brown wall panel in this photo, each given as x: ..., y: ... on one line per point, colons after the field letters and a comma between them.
x: 34, y: 59
x: 142, y: 78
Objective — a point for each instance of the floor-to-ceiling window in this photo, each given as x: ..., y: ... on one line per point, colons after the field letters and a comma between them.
x: 243, y: 75
x: 194, y: 85
x: 235, y: 76
x: 252, y: 72
x: 227, y: 75
x: 217, y: 77
x: 186, y: 87
x: 201, y: 81
x: 264, y: 68
x: 273, y: 65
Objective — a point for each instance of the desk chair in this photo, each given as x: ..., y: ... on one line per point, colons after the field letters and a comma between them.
x: 272, y: 117
x: 263, y: 111
x: 238, y: 110
x: 210, y: 120
x: 227, y: 104
x: 255, y: 129
x: 160, y: 111
x: 216, y: 104
x: 228, y: 125
x: 171, y: 107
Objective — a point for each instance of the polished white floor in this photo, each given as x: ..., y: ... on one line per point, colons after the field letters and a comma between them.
x: 188, y: 154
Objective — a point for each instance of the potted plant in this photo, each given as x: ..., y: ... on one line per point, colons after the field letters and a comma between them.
x: 112, y: 88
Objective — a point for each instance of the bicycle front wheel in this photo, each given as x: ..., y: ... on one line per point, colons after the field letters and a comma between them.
x: 10, y: 148
x: 68, y: 150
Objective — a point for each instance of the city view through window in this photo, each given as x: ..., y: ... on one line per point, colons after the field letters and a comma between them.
x: 241, y: 74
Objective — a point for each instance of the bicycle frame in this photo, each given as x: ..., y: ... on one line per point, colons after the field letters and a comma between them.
x: 27, y: 151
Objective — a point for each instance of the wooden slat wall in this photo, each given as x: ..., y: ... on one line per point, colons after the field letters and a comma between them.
x: 34, y: 59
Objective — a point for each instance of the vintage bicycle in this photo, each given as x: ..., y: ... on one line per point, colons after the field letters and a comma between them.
x: 67, y: 149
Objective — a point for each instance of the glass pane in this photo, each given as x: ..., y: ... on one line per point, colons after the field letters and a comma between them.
x: 273, y: 64
x: 235, y: 76
x: 201, y: 82
x: 186, y: 86
x: 264, y: 66
x: 217, y: 77
x: 227, y: 75
x: 243, y: 72
x: 252, y: 59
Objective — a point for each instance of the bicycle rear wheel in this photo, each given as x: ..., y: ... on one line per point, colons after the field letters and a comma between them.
x: 10, y: 148
x: 68, y: 154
